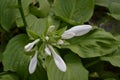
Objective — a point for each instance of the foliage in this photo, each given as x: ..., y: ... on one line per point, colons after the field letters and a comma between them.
x: 92, y: 56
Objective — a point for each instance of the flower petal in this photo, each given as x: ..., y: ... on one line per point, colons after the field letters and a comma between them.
x: 33, y: 63
x: 60, y: 42
x: 47, y: 50
x: 51, y: 28
x: 68, y: 35
x: 29, y: 46
x: 36, y: 41
x: 80, y: 29
x: 46, y: 38
x: 58, y: 60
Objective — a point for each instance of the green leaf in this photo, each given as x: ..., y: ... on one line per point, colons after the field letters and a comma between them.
x: 8, y: 77
x: 74, y: 11
x: 38, y: 26
x: 114, y: 58
x: 114, y: 8
x: 14, y: 58
x: 75, y: 69
x: 104, y: 3
x: 42, y: 10
x: 9, y: 12
x: 112, y: 5
x: 95, y: 43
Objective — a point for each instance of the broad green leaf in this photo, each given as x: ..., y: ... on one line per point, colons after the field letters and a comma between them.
x: 104, y: 3
x: 95, y: 43
x: 74, y: 11
x: 9, y: 12
x: 75, y: 69
x: 114, y: 8
x: 15, y: 60
x: 38, y: 26
x: 112, y: 5
x: 114, y: 58
x: 8, y: 77
x: 42, y: 10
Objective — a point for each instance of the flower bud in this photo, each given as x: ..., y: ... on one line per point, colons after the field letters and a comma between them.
x: 58, y: 60
x: 29, y: 46
x: 47, y: 50
x: 33, y: 63
x: 76, y: 31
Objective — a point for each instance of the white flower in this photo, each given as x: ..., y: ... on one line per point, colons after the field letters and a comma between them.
x: 51, y: 28
x: 47, y: 50
x: 46, y: 38
x: 60, y: 42
x: 76, y: 31
x: 33, y: 63
x: 29, y: 46
x: 58, y: 60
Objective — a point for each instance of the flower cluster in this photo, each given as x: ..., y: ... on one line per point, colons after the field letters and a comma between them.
x: 49, y: 50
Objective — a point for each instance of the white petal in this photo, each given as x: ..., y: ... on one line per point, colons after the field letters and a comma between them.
x: 80, y: 29
x: 68, y: 35
x: 60, y: 42
x: 51, y: 28
x: 47, y: 50
x: 36, y: 41
x: 33, y: 63
x: 46, y: 38
x: 58, y: 60
x: 29, y: 46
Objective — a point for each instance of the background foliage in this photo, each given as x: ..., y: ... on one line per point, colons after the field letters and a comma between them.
x: 94, y: 56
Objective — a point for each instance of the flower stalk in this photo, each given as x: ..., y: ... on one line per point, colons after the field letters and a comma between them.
x: 22, y: 13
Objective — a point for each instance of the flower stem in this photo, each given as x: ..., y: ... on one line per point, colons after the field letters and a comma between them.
x: 92, y: 63
x: 22, y: 13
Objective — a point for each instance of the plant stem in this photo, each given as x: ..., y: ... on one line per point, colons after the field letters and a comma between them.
x: 22, y: 13
x: 92, y: 63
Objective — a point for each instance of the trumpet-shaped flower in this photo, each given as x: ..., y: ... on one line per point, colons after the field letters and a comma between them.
x: 33, y: 63
x: 29, y: 46
x: 58, y: 60
x: 49, y: 50
x: 76, y: 31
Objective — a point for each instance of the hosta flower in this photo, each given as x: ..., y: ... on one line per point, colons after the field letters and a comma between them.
x: 49, y: 50
x: 29, y: 46
x: 76, y: 31
x: 57, y: 59
x: 33, y: 63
